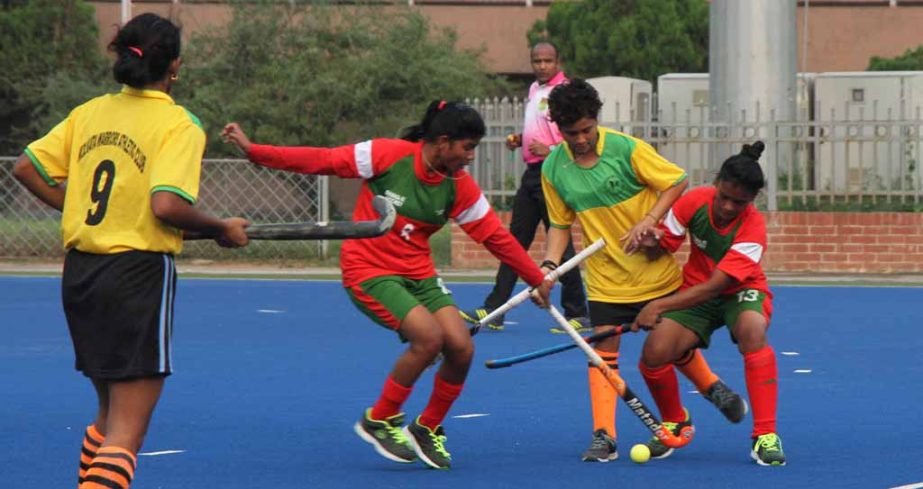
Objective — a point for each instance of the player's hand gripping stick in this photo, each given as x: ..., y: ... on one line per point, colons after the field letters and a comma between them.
x: 552, y: 275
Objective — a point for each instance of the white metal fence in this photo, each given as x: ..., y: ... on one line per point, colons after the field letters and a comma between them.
x: 29, y: 229
x: 833, y: 158
x: 865, y: 160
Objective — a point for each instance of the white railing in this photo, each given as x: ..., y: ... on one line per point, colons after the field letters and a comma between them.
x: 826, y: 160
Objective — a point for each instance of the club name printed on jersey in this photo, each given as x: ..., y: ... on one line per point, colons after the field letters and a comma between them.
x: 114, y: 138
x: 699, y: 242
x: 396, y: 199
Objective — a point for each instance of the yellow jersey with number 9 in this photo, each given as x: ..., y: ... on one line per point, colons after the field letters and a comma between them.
x: 114, y: 152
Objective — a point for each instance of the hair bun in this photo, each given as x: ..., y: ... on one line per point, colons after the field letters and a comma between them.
x: 753, y: 150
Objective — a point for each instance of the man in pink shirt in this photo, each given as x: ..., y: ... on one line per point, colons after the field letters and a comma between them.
x: 539, y: 137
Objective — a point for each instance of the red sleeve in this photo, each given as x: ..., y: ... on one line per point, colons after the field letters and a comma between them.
x: 360, y: 160
x: 340, y: 161
x: 742, y: 261
x: 675, y: 224
x: 475, y: 216
x: 472, y: 211
x: 504, y: 246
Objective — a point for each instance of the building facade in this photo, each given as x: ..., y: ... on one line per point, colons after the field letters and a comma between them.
x: 833, y: 35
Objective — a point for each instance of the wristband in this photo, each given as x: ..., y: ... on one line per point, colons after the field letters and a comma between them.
x: 549, y: 264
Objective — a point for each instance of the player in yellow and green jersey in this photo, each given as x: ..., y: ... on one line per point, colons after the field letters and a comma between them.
x: 131, y: 163
x: 619, y: 188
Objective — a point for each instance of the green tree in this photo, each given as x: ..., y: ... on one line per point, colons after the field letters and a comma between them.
x: 49, y: 62
x: 633, y: 38
x: 911, y: 60
x: 310, y: 74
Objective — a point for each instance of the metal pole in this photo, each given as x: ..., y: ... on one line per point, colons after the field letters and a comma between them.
x: 804, y: 40
x: 126, y: 11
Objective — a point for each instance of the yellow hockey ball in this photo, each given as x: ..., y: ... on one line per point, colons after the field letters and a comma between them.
x: 640, y: 454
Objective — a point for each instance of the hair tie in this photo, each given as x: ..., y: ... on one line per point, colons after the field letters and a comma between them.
x: 441, y: 105
x: 137, y: 51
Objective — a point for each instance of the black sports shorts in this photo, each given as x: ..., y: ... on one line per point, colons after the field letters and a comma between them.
x: 119, y: 310
x: 614, y: 314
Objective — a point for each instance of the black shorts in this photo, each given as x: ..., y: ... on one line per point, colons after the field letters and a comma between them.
x: 119, y: 310
x: 614, y: 314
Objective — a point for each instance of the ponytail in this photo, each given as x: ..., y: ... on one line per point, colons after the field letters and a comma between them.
x: 454, y: 120
x: 744, y: 169
x: 144, y: 49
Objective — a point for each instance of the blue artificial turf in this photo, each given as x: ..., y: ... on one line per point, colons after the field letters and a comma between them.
x: 271, y: 375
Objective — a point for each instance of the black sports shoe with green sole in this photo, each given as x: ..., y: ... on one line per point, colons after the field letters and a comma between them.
x: 602, y: 449
x: 386, y: 436
x: 767, y: 450
x: 429, y: 445
x: 731, y: 405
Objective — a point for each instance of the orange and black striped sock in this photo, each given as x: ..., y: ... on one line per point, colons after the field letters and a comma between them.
x: 696, y: 369
x: 92, y: 439
x: 444, y: 394
x: 664, y: 387
x: 603, y: 397
x: 762, y: 377
x: 113, y: 468
x: 392, y: 398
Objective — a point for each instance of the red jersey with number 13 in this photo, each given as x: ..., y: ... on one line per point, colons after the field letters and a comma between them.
x: 736, y: 249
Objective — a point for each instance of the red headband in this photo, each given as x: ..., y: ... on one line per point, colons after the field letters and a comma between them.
x: 137, y: 51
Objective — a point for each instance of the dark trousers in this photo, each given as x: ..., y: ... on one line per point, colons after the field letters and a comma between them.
x: 528, y: 210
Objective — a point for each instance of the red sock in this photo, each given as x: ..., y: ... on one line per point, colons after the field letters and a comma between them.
x: 392, y: 398
x: 444, y: 394
x: 664, y: 387
x: 762, y: 385
x: 113, y: 468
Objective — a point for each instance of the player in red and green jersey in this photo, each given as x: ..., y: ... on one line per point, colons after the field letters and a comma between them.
x: 723, y: 284
x: 392, y: 279
x: 618, y: 187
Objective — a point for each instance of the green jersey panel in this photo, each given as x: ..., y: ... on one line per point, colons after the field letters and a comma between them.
x: 706, y: 238
x: 412, y: 198
x: 609, y: 182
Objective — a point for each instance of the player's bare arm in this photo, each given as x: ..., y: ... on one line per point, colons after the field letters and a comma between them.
x: 631, y: 240
x: 555, y: 244
x: 179, y: 213
x: 26, y: 173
